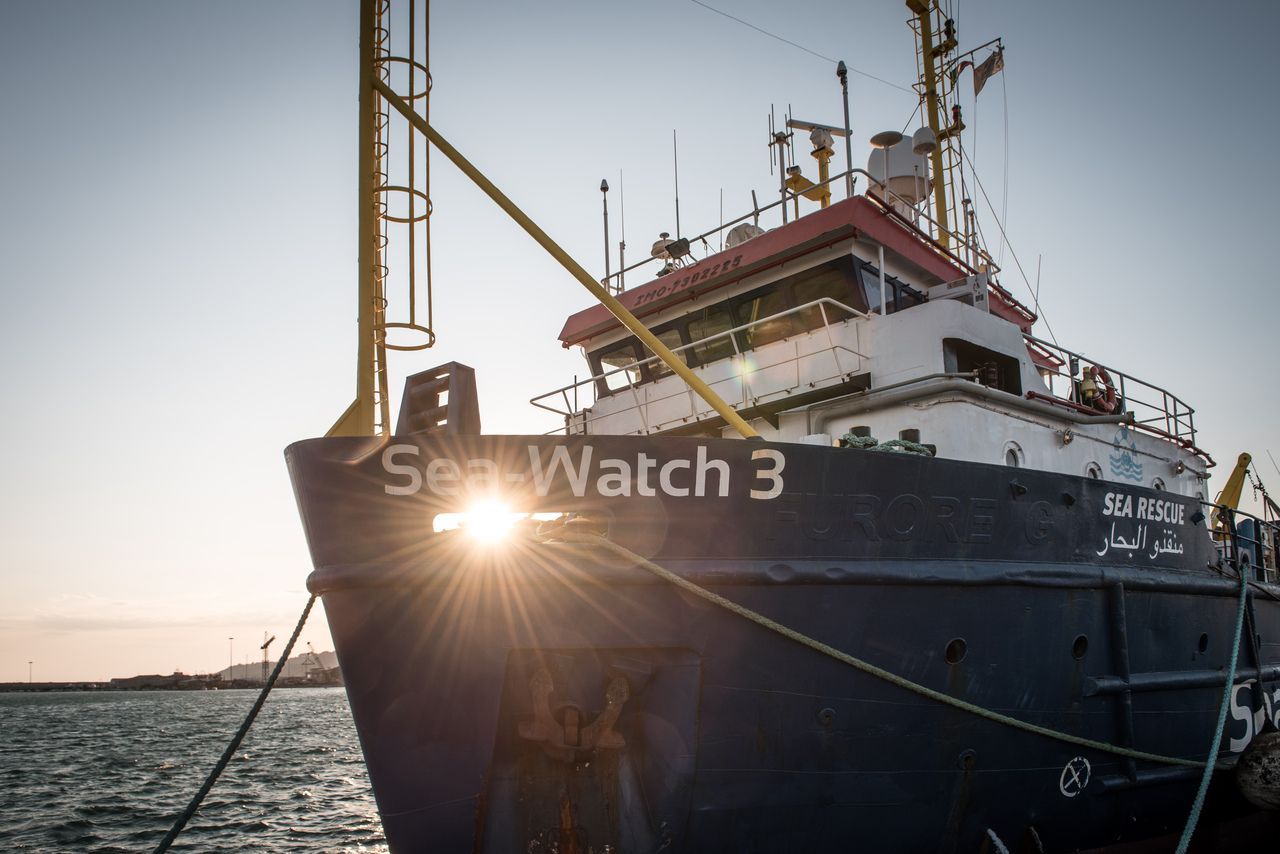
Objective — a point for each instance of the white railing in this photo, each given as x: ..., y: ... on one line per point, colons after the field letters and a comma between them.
x: 1155, y: 410
x: 745, y: 379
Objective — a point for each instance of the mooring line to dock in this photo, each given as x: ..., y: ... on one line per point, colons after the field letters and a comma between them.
x: 567, y: 535
x: 1193, y: 817
x: 205, y: 787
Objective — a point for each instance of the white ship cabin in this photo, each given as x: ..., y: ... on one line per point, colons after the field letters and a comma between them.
x: 851, y: 320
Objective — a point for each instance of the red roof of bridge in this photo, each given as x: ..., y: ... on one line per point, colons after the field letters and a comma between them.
x: 857, y: 216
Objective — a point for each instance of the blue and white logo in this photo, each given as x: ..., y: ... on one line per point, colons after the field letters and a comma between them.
x: 1124, y: 462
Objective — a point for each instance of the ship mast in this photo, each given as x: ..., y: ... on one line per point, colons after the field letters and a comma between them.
x: 382, y: 233
x: 935, y: 41
x: 380, y: 179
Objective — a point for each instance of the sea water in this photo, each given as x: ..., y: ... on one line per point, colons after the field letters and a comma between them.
x: 109, y: 771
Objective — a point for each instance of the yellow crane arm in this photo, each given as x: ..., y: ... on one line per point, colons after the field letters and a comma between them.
x: 1229, y: 497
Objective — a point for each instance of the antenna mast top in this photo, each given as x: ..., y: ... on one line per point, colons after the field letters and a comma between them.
x: 935, y: 42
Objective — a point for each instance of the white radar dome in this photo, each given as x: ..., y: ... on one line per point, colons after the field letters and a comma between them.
x: 741, y: 234
x: 908, y: 171
x: 924, y: 142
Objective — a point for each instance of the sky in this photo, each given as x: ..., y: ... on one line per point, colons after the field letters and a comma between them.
x: 178, y: 246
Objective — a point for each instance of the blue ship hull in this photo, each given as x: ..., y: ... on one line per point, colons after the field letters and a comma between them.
x: 539, y: 697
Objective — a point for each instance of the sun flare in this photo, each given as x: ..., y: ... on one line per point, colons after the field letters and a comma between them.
x: 488, y: 522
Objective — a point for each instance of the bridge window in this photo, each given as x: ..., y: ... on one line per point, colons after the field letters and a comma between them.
x: 898, y: 294
x: 617, y: 356
x: 670, y: 336
x: 835, y: 280
x: 705, y: 323
x: 759, y: 304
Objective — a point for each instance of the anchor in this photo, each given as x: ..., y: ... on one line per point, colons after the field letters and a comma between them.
x: 564, y: 739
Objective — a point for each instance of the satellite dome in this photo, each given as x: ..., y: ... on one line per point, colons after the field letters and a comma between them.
x: 908, y: 171
x: 660, y: 245
x: 741, y: 233
x: 923, y: 142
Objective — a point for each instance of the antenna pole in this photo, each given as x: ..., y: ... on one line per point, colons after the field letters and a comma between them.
x: 843, y: 73
x: 675, y: 162
x: 622, y: 244
x: 604, y: 196
x: 780, y: 140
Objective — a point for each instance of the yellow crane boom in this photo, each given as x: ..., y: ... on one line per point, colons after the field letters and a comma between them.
x: 1229, y: 496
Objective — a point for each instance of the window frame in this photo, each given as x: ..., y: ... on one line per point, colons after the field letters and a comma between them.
x: 597, y: 365
x: 784, y: 286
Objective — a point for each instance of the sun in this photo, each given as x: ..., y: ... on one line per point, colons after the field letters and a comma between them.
x: 489, y: 521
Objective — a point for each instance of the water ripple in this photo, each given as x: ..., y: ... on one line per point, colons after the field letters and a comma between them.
x: 108, y: 772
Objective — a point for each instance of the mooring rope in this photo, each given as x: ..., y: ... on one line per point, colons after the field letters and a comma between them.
x: 1194, y: 817
x: 567, y: 534
x: 182, y: 820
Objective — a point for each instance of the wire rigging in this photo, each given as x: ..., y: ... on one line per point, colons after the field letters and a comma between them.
x: 798, y: 46
x: 1004, y: 203
x: 1026, y: 281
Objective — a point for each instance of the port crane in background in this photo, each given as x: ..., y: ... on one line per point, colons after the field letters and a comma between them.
x: 313, y: 667
x: 266, y: 665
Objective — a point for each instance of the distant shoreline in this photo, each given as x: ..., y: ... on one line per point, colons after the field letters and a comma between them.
x: 105, y: 688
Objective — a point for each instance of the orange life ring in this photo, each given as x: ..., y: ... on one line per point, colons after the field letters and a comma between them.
x: 1105, y: 400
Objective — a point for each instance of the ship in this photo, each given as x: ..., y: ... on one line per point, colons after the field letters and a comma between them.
x: 833, y: 552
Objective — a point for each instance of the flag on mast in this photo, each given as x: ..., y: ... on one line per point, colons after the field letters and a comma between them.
x: 990, y: 67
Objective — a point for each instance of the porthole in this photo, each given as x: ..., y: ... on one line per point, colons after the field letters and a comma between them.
x: 956, y: 650
x: 1203, y: 645
x: 1093, y: 471
x: 1079, y: 647
x: 1013, y: 456
x: 1158, y: 484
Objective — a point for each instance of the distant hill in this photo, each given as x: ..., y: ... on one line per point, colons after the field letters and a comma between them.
x: 294, y: 668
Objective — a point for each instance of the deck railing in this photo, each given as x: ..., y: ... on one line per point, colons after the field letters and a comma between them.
x: 1155, y: 410
x: 649, y: 397
x: 1257, y: 551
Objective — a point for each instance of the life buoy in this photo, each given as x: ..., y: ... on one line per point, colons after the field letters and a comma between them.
x: 1105, y: 400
